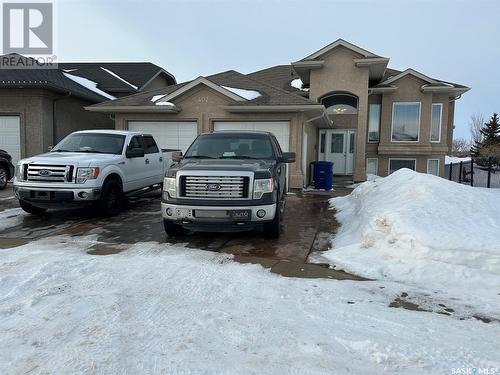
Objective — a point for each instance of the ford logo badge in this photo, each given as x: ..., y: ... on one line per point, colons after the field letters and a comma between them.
x: 213, y: 187
x: 44, y: 172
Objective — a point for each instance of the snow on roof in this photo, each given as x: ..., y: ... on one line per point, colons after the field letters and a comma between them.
x: 157, y: 97
x: 422, y: 229
x: 87, y: 83
x: 455, y: 160
x: 247, y: 94
x: 297, y: 83
x: 120, y: 78
x: 165, y: 103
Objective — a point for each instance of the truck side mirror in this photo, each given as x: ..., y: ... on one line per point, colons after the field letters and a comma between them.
x: 176, y: 156
x: 287, y: 157
x: 134, y: 153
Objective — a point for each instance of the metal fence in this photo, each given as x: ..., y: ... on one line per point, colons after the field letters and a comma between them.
x: 472, y: 174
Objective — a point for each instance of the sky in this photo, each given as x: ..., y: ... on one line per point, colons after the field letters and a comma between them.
x: 457, y: 41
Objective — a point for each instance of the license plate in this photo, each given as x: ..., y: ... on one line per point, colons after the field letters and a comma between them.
x: 42, y: 195
x: 183, y: 213
x: 240, y: 214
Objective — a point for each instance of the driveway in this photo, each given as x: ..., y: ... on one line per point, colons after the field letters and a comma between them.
x: 307, y: 227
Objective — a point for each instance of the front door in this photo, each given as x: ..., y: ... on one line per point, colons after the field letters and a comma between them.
x: 338, y: 146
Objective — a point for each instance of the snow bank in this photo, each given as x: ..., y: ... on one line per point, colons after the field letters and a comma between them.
x: 247, y: 94
x: 87, y: 83
x: 11, y: 217
x: 454, y: 159
x: 421, y: 229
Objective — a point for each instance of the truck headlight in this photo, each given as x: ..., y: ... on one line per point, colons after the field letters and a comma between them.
x: 84, y: 174
x: 20, y: 172
x: 170, y: 187
x: 261, y: 186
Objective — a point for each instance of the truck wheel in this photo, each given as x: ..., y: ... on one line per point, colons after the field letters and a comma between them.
x: 173, y: 230
x: 29, y: 208
x: 3, y: 177
x: 273, y: 229
x: 111, y: 201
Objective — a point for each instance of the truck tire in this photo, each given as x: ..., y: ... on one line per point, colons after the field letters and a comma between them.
x: 4, y: 177
x: 29, y: 208
x: 272, y: 230
x: 111, y: 201
x: 173, y: 230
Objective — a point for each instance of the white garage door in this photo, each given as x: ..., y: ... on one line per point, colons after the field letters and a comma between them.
x: 280, y: 129
x: 169, y: 134
x: 10, y: 136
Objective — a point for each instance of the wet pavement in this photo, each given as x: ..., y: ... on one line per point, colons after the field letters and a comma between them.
x: 307, y: 226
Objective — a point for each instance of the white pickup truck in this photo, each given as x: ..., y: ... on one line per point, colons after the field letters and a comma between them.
x: 91, y: 167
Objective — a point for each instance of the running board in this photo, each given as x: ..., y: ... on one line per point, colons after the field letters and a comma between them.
x: 143, y: 190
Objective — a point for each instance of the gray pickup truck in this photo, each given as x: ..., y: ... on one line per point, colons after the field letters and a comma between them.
x: 227, y: 181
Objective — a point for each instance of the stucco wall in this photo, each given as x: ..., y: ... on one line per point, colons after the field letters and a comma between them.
x: 35, y: 108
x: 339, y: 73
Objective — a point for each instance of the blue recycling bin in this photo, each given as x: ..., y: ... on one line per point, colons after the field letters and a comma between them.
x: 323, y: 175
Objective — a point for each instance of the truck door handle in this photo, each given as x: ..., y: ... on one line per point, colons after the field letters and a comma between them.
x: 147, y: 161
x: 161, y: 159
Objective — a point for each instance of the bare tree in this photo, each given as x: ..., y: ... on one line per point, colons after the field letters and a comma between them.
x: 460, y: 147
x: 476, y: 123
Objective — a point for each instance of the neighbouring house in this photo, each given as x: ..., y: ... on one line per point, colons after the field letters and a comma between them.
x: 341, y: 103
x: 40, y: 106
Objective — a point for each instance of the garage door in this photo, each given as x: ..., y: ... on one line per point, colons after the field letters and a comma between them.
x: 280, y: 129
x: 10, y: 136
x: 169, y: 134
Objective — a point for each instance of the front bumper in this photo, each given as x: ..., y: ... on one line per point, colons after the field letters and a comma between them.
x: 49, y: 196
x: 186, y: 215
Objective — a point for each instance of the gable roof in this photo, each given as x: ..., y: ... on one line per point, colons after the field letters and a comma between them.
x: 340, y: 42
x: 269, y: 95
x: 94, y: 82
x: 280, y: 76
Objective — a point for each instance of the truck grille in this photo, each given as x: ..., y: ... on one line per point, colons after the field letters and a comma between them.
x: 49, y: 173
x: 215, y: 187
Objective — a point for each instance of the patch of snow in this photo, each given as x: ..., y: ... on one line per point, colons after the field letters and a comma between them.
x: 11, y: 217
x: 158, y: 97
x: 423, y: 230
x: 87, y: 83
x: 120, y: 78
x: 455, y: 160
x: 165, y: 103
x: 247, y: 94
x: 182, y: 310
x: 297, y: 83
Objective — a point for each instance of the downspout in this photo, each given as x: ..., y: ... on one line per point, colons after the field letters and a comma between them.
x: 54, y: 116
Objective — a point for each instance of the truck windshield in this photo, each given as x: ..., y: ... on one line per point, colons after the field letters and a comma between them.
x: 231, y: 146
x: 91, y: 143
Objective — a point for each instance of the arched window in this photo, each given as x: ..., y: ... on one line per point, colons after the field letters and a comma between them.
x: 340, y: 104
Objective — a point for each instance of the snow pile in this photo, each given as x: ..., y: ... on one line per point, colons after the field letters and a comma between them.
x: 246, y: 94
x: 297, y: 83
x: 455, y: 160
x: 88, y: 84
x: 424, y: 230
x: 11, y: 217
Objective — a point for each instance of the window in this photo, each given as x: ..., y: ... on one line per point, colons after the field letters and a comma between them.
x: 231, y: 146
x: 150, y: 146
x: 374, y: 123
x: 340, y: 104
x: 337, y: 145
x: 433, y: 166
x: 92, y: 143
x: 322, y: 141
x: 437, y: 109
x: 395, y: 164
x: 135, y: 142
x: 405, y: 122
x: 352, y: 142
x: 372, y: 166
